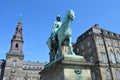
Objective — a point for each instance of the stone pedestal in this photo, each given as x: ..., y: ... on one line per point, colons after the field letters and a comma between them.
x: 67, y: 67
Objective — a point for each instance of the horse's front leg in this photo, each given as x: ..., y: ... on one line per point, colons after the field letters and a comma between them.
x: 70, y: 47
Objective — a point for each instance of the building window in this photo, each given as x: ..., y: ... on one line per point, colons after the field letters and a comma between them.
x: 16, y: 47
x: 91, y: 59
x: 77, y: 50
x: 108, y: 75
x: 115, y: 44
x: 104, y: 59
x: 82, y: 47
x: 101, y: 48
x: 14, y: 64
x: 89, y: 43
x: 108, y: 42
x: 93, y: 76
x: 112, y: 56
x: 89, y: 50
x: 119, y: 44
x: 118, y: 56
x: 100, y: 41
x: 117, y: 75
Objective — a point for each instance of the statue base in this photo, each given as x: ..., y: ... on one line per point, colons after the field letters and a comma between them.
x: 67, y: 67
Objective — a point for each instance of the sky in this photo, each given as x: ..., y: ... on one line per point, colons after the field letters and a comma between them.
x: 39, y: 16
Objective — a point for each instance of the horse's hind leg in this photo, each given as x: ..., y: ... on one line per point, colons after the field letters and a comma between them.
x: 49, y: 44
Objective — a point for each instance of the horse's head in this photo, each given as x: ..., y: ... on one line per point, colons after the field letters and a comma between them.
x: 71, y: 14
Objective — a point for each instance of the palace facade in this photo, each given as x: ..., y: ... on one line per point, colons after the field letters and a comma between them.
x: 101, y: 48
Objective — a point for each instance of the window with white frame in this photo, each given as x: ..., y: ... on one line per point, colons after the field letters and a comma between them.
x: 116, y: 44
x: 112, y: 56
x: 108, y: 42
x: 104, y: 58
x: 118, y: 56
x: 100, y: 40
x: 101, y: 48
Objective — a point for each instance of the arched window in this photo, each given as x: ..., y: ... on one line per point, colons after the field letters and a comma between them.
x: 16, y: 46
x: 117, y: 75
x: 108, y: 75
x: 112, y: 56
x: 118, y: 56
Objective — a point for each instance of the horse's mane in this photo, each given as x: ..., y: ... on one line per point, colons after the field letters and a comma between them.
x: 65, y: 19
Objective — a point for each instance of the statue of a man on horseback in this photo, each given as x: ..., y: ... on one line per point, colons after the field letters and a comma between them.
x: 61, y: 35
x: 52, y: 41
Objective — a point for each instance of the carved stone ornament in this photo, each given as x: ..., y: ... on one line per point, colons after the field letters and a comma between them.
x: 77, y: 71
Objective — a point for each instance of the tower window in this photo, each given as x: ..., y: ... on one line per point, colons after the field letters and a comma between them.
x: 13, y: 63
x: 19, y: 31
x: 16, y: 47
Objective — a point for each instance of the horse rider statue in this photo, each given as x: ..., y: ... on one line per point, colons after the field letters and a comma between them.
x: 52, y: 41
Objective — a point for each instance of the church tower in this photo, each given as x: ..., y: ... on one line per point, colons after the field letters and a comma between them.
x: 15, y: 56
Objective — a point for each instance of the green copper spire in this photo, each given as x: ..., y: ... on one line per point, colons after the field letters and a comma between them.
x: 20, y: 19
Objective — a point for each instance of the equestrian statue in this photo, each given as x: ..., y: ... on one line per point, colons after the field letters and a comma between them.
x: 61, y: 34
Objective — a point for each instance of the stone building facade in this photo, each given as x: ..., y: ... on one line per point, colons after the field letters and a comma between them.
x: 14, y: 68
x: 102, y: 48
